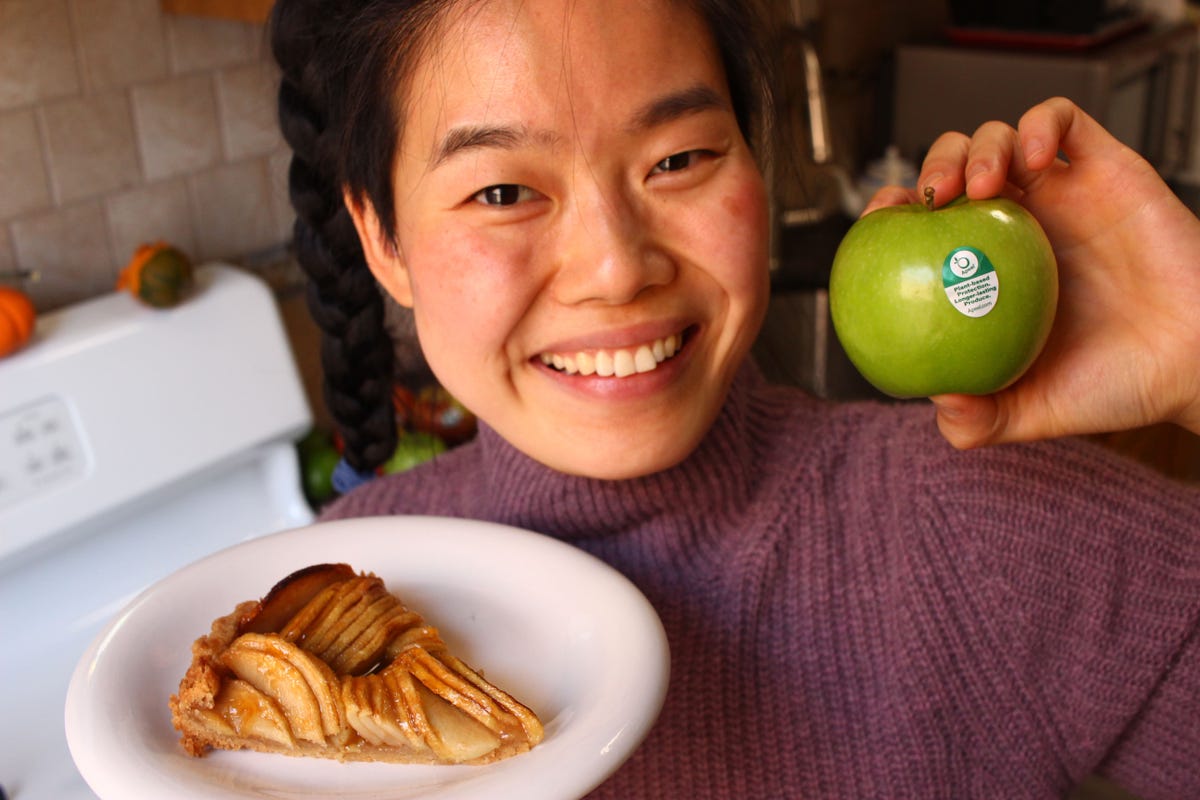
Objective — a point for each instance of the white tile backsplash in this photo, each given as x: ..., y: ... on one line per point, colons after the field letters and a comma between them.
x: 233, y: 210
x: 90, y: 145
x: 8, y: 260
x: 206, y: 43
x: 69, y: 248
x: 24, y: 185
x: 156, y: 212
x: 121, y: 125
x: 121, y: 42
x: 278, y: 165
x: 37, y: 52
x: 246, y: 97
x: 177, y: 126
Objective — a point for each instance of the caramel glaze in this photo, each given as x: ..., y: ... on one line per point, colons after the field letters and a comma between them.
x: 330, y: 664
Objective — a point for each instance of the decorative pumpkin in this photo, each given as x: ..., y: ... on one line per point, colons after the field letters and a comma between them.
x: 17, y: 316
x: 158, y: 275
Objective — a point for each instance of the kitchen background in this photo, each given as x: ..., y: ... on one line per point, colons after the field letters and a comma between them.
x: 132, y: 121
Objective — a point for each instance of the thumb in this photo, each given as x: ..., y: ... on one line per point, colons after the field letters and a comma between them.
x: 969, y: 421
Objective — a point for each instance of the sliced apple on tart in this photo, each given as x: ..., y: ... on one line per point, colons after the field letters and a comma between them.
x: 330, y: 664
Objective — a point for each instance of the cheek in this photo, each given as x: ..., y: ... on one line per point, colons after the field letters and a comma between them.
x: 746, y: 209
x: 737, y: 240
x: 466, y: 291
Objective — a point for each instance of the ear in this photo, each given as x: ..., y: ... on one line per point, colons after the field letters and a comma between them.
x: 380, y: 251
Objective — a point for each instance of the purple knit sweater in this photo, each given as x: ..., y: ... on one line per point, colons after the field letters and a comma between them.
x: 856, y: 610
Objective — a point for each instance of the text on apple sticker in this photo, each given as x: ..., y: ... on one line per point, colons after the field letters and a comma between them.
x: 971, y: 283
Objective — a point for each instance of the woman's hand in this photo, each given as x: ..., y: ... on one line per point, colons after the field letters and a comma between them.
x: 1125, y: 348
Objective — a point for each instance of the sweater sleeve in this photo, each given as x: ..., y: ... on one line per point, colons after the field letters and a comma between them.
x: 1087, y: 569
x: 1159, y: 752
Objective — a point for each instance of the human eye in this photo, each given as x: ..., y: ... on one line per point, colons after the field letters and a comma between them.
x: 504, y: 194
x: 680, y: 161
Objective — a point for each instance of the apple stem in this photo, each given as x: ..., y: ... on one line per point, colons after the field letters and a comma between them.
x: 929, y: 197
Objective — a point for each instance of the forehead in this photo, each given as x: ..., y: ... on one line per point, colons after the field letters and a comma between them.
x: 556, y: 62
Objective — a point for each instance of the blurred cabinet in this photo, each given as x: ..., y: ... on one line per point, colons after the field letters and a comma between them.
x: 1141, y: 87
x: 244, y: 10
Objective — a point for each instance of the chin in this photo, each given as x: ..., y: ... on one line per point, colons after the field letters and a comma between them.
x: 624, y: 468
x: 620, y: 458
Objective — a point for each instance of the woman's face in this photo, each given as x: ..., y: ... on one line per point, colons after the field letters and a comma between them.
x: 580, y: 227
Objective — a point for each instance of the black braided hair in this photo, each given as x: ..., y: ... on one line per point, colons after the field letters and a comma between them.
x: 356, y: 353
x: 342, y: 62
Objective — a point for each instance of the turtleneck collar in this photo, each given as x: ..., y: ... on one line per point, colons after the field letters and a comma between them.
x: 715, y: 479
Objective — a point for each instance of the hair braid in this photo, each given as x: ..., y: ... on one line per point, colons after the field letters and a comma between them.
x: 356, y: 353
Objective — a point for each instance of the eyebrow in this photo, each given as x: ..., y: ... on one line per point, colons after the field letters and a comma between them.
x: 470, y: 137
x: 676, y: 105
x: 508, y: 137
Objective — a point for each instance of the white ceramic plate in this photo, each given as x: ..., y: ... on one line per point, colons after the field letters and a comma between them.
x: 562, y: 631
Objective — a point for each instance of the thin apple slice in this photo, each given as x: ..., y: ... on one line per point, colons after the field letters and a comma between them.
x: 457, y: 737
x: 320, y: 678
x: 374, y: 607
x: 290, y: 595
x: 423, y: 636
x: 356, y: 695
x: 367, y: 650
x: 283, y: 682
x: 379, y: 716
x: 248, y: 712
x: 401, y: 690
x: 340, y: 611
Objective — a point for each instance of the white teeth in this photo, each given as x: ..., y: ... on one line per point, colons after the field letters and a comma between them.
x: 644, y: 360
x: 604, y: 364
x: 586, y: 363
x: 623, y: 365
x: 620, y: 363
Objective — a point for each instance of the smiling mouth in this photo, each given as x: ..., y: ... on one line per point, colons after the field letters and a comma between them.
x: 617, y: 363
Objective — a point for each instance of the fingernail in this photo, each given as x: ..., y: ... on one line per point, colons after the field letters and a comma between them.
x: 1033, y: 148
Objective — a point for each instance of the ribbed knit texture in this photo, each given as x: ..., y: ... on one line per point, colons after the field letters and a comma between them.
x: 856, y: 610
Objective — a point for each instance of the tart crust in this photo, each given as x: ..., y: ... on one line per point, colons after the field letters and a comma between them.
x: 329, y: 664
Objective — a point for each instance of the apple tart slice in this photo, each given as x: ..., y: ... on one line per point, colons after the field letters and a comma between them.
x: 330, y: 664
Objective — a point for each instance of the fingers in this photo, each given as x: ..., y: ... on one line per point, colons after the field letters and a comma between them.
x: 943, y: 167
x: 1059, y: 124
x: 981, y: 165
x: 997, y: 155
x: 969, y: 421
x: 992, y: 159
x: 889, y: 196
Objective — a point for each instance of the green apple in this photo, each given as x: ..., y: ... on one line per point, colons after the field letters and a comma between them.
x: 956, y: 299
x: 413, y: 448
x: 318, y: 458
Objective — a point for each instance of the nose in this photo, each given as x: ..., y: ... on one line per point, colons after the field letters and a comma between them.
x: 610, y: 252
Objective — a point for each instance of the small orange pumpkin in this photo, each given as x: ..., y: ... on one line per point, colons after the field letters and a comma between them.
x: 158, y: 275
x: 17, y: 316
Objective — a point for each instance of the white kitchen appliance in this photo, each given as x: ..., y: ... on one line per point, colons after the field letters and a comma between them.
x: 133, y: 441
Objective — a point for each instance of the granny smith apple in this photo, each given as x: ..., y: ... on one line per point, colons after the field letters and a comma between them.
x: 955, y: 299
x: 318, y: 459
x: 413, y: 448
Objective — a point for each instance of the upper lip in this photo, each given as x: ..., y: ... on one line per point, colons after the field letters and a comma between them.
x: 623, y: 338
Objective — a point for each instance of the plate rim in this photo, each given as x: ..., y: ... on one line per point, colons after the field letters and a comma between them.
x: 81, y: 716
